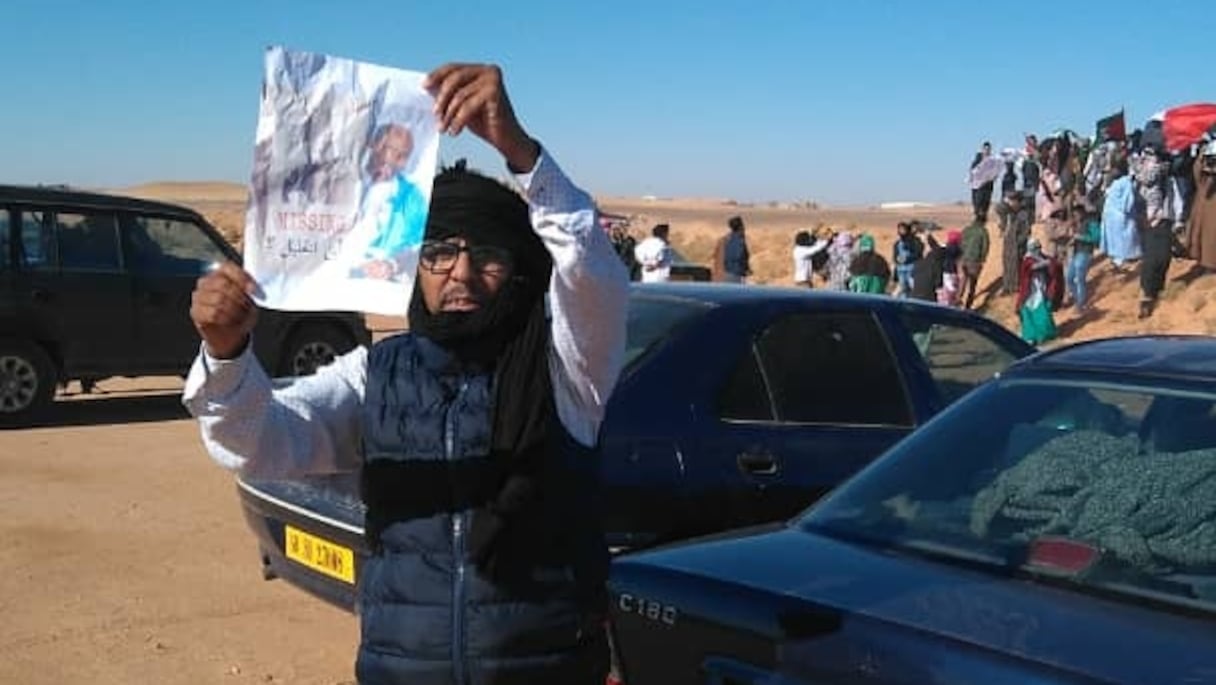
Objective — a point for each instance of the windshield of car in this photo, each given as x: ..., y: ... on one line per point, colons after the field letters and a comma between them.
x: 652, y: 319
x: 1108, y: 488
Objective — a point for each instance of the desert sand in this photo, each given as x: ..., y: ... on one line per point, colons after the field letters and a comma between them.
x: 125, y: 555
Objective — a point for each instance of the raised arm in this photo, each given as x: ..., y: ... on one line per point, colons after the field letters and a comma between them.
x: 588, y: 293
x: 588, y: 298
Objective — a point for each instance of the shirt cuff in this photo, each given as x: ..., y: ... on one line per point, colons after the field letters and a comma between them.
x: 547, y: 187
x: 217, y: 379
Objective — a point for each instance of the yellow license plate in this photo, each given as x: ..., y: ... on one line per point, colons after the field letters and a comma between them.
x: 319, y: 555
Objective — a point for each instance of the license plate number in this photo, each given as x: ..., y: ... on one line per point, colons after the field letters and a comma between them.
x: 319, y: 555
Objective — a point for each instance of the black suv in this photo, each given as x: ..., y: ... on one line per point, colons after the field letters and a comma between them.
x: 94, y: 286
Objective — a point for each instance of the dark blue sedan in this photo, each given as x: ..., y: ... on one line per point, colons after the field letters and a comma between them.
x: 738, y: 405
x: 1058, y: 525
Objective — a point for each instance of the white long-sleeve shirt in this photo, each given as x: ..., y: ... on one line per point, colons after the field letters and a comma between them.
x: 803, y: 256
x: 311, y: 425
x: 654, y: 254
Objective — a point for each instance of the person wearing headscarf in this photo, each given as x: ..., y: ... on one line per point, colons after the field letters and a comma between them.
x: 1201, y: 228
x: 1016, y: 225
x: 928, y: 270
x: 1039, y: 286
x: 1158, y: 211
x: 1120, y: 231
x: 1050, y: 194
x: 985, y: 169
x: 951, y: 255
x: 1032, y: 172
x: 473, y: 434
x: 869, y: 272
x: 806, y: 248
x: 840, y: 258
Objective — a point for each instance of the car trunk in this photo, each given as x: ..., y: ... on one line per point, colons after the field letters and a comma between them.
x: 795, y: 607
x: 310, y: 533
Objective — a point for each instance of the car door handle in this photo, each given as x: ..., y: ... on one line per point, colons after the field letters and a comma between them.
x: 757, y: 464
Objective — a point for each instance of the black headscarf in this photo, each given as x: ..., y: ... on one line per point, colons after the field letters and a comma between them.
x: 510, y: 335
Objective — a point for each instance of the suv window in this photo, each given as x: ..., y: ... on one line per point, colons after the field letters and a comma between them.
x: 168, y: 247
x: 34, y: 248
x: 959, y: 357
x: 87, y: 241
x: 833, y: 367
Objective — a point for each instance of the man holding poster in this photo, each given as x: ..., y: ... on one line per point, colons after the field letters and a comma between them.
x: 474, y: 434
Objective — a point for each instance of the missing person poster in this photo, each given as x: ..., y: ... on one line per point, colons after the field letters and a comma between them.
x: 344, y: 157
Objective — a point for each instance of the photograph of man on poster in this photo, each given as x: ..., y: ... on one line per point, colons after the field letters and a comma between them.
x: 391, y: 213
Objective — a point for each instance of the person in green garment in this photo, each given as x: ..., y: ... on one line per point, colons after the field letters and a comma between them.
x: 1038, y: 285
x: 975, y: 244
x: 869, y: 272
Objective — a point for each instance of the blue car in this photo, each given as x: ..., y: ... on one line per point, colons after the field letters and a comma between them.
x: 1058, y: 525
x: 738, y: 405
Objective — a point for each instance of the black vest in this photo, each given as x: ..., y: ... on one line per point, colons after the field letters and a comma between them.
x: 428, y: 616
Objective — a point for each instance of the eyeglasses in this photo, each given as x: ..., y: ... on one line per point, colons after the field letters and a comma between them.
x: 440, y: 257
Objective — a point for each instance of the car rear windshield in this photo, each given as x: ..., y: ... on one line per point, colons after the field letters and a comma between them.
x: 652, y: 319
x: 1103, y: 488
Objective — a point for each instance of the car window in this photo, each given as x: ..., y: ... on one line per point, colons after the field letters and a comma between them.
x: 87, y: 241
x: 5, y: 234
x: 168, y: 247
x: 959, y: 357
x: 834, y: 368
x: 745, y: 396
x: 34, y: 248
x: 1107, y: 488
x: 651, y: 320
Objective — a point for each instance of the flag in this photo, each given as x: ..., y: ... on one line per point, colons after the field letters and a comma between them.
x: 1112, y: 127
x: 1186, y: 125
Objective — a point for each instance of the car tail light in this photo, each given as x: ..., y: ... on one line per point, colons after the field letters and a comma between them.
x: 1062, y: 555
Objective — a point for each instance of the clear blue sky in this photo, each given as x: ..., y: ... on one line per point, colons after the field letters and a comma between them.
x: 842, y: 102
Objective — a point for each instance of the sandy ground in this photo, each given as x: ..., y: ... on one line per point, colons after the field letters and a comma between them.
x: 124, y: 558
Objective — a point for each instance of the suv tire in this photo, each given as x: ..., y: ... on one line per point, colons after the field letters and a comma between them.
x: 27, y: 380
x: 312, y: 346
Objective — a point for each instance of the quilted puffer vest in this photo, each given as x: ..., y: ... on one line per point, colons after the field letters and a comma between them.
x: 429, y: 617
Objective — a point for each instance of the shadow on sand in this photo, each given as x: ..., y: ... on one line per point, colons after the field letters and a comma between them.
x: 110, y: 408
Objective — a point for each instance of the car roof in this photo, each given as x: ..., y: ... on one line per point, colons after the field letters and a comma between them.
x: 49, y: 195
x: 1188, y: 357
x: 732, y: 294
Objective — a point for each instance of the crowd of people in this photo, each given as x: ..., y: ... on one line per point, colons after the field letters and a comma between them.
x: 1064, y: 203
x: 1128, y: 198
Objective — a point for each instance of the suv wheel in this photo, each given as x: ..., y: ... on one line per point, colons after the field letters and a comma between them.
x: 311, y: 347
x: 27, y: 380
